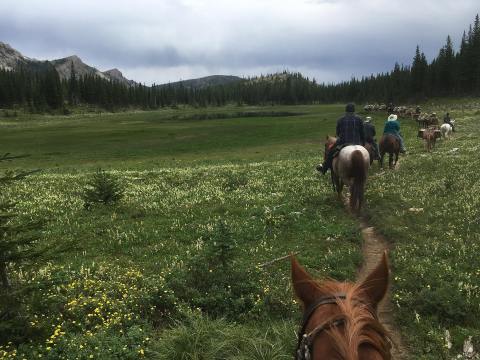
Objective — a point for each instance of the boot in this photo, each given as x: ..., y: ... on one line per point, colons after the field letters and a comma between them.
x: 321, y: 169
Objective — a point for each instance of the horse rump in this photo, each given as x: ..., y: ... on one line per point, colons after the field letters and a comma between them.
x: 389, y: 144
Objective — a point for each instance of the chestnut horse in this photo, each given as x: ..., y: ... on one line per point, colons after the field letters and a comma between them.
x: 389, y: 144
x: 340, y: 319
x: 430, y: 138
x: 350, y: 168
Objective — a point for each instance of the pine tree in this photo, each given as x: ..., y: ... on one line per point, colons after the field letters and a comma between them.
x: 475, y: 56
x: 72, y: 86
x: 52, y: 88
x: 17, y: 240
x: 446, y: 70
x: 419, y: 73
x: 462, y: 70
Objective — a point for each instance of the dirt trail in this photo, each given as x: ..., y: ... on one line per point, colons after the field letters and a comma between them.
x: 372, y: 249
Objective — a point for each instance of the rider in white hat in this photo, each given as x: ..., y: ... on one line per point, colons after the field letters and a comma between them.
x: 392, y: 126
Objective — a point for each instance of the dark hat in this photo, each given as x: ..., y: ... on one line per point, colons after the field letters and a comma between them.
x: 350, y: 108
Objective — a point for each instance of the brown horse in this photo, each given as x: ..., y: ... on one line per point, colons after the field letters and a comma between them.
x: 340, y: 319
x: 389, y: 144
x: 350, y: 168
x: 430, y: 138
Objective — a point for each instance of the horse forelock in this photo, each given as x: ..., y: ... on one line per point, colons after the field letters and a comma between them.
x: 361, y: 326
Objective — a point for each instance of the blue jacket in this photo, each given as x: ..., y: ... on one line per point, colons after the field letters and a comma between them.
x: 392, y: 127
x: 350, y: 130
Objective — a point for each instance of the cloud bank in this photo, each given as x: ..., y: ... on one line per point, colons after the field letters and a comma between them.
x: 161, y: 41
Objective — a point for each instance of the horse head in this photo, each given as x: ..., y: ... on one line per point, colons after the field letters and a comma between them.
x: 329, y: 144
x: 340, y: 319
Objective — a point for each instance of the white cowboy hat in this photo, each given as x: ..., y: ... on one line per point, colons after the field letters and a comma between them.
x: 368, y: 119
x: 392, y: 117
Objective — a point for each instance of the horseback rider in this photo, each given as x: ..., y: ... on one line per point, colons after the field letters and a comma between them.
x: 370, y: 133
x: 350, y: 131
x: 392, y: 126
x: 433, y: 118
x: 448, y: 120
x: 390, y: 108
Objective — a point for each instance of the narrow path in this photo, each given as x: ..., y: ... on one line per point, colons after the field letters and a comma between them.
x: 373, y: 246
x: 372, y: 249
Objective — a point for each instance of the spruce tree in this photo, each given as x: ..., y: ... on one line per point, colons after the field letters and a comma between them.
x: 72, y: 86
x: 17, y: 239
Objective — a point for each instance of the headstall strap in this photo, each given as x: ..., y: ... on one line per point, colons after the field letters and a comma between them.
x: 304, y: 340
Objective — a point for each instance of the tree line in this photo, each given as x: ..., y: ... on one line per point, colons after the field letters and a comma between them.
x: 450, y: 73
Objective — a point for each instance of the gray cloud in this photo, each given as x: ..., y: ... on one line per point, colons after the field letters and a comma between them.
x: 159, y: 41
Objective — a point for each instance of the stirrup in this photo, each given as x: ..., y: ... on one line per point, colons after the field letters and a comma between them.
x: 321, y: 169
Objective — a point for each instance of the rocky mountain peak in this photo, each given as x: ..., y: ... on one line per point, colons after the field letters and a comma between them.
x: 10, y: 58
x: 73, y: 58
x: 114, y: 71
x: 115, y: 74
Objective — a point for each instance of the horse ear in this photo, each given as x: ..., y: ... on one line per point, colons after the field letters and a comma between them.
x: 304, y: 285
x: 327, y: 137
x: 376, y: 284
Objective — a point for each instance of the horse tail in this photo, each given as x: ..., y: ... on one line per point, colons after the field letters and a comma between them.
x: 358, y: 172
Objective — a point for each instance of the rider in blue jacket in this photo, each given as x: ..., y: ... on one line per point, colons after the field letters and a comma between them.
x: 392, y: 126
x: 350, y: 131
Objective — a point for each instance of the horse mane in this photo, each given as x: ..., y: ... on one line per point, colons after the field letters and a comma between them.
x: 362, y: 326
x: 330, y: 139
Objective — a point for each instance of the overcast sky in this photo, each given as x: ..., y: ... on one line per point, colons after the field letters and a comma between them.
x: 168, y: 40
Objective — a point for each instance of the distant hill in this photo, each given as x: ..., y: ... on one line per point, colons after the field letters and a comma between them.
x: 204, y: 82
x: 11, y: 59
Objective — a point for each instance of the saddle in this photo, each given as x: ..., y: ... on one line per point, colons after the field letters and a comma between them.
x: 337, y: 148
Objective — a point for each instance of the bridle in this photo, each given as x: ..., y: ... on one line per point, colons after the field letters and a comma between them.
x: 305, y: 341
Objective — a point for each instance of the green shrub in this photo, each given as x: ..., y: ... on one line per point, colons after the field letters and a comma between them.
x: 214, y: 281
x: 103, y: 188
x: 446, y: 303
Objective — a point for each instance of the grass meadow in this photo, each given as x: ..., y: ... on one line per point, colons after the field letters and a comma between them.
x: 174, y: 269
